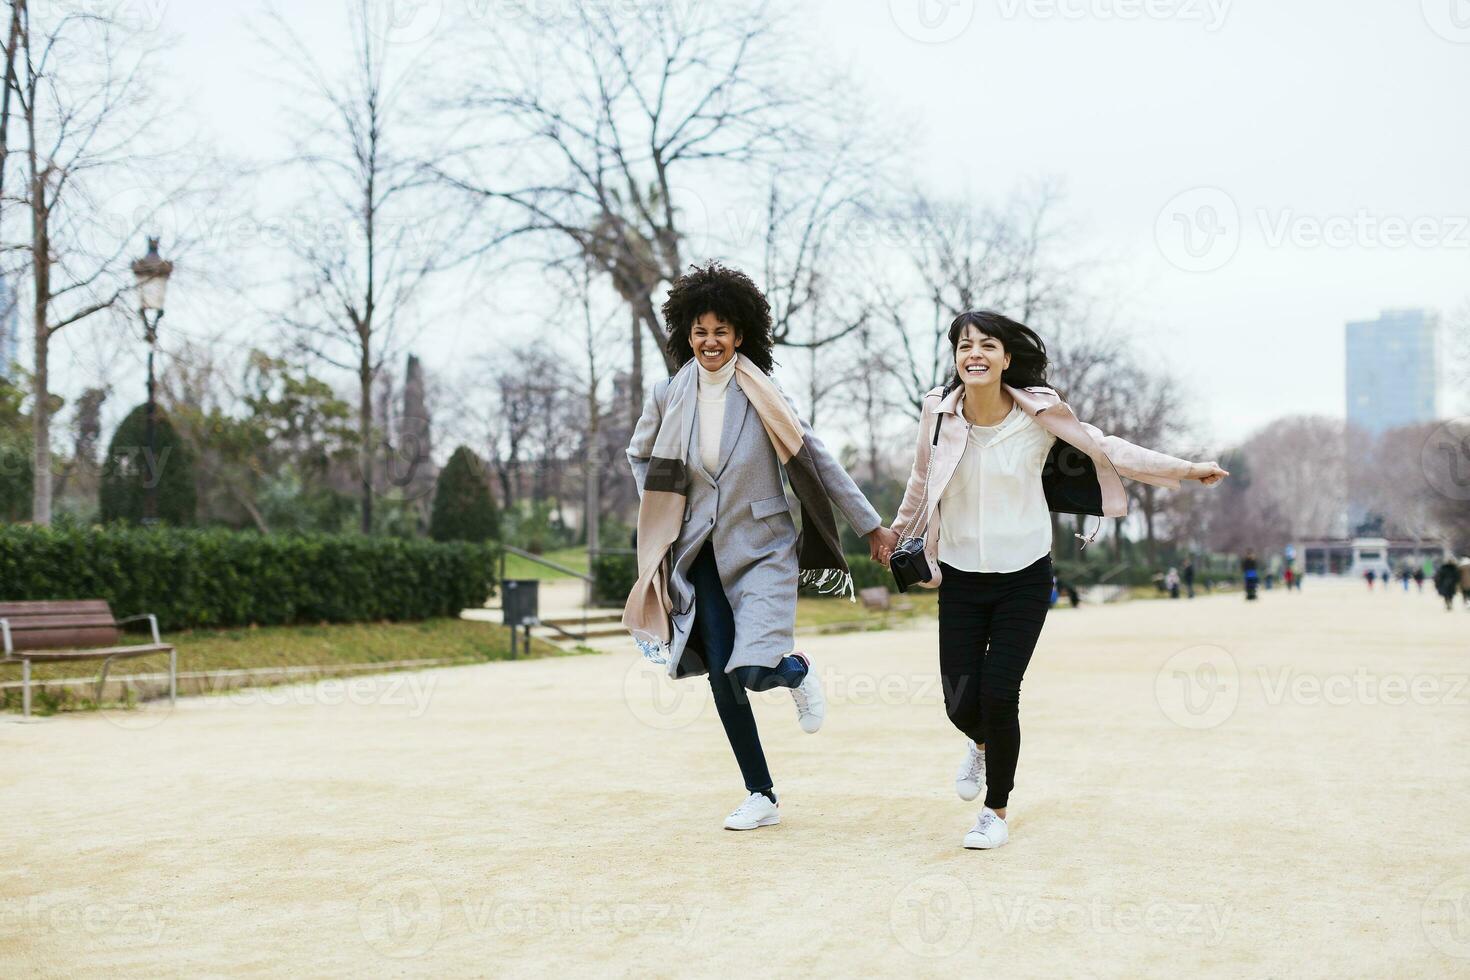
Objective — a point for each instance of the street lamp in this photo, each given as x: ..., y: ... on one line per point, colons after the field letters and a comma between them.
x: 152, y: 273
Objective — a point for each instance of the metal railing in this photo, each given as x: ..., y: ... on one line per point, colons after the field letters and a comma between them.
x: 589, y: 581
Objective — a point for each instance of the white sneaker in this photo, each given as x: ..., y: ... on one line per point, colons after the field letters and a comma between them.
x: 811, y: 703
x: 756, y: 811
x: 971, y: 777
x: 989, y: 831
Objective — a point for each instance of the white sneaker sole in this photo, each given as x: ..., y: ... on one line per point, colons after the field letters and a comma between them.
x: 967, y: 791
x: 982, y: 844
x: 770, y: 821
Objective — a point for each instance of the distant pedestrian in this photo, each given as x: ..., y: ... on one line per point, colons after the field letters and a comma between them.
x: 1419, y: 578
x: 1189, y: 577
x: 1171, y: 582
x: 1250, y: 571
x: 1404, y: 576
x: 1465, y: 580
x: 1445, y: 581
x: 1368, y: 577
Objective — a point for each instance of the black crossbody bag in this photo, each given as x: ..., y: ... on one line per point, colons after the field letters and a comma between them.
x: 908, y: 563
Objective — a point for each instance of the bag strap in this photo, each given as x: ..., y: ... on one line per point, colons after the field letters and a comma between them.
x: 928, y: 470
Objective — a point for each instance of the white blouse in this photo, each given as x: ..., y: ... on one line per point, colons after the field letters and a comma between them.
x: 994, y: 516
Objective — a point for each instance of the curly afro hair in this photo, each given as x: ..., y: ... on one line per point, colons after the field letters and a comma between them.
x: 730, y: 295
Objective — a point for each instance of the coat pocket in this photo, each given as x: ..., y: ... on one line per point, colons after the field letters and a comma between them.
x: 770, y: 506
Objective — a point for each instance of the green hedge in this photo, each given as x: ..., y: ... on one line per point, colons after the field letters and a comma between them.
x: 613, y: 576
x: 216, y: 578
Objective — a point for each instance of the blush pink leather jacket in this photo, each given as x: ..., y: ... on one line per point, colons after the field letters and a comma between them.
x: 1112, y: 457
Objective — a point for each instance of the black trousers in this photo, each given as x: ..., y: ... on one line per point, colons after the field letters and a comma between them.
x: 989, y: 623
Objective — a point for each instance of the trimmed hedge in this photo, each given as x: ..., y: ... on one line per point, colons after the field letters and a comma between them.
x: 613, y: 576
x: 216, y: 578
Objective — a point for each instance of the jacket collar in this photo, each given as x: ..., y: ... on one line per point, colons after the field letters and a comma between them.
x: 1033, y: 401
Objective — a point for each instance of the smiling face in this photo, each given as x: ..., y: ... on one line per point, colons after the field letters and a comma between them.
x: 714, y: 341
x: 979, y: 359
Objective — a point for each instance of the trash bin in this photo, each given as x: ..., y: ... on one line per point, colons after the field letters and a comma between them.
x: 520, y: 601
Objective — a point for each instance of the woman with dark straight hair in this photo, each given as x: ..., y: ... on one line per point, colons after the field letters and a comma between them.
x: 997, y: 451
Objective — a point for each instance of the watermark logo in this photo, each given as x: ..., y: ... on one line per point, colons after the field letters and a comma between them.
x: 1210, y: 13
x: 1446, y: 916
x: 660, y: 702
x: 400, y: 917
x: 932, y: 21
x: 1446, y: 459
x: 933, y: 916
x: 1199, y: 229
x: 1450, y: 19
x: 406, y: 21
x: 131, y: 922
x: 1198, y: 687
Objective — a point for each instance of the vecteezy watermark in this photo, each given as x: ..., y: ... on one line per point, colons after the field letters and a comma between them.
x: 1445, y: 916
x: 1201, y: 229
x: 1445, y: 459
x: 1198, y: 687
x: 933, y: 916
x: 411, y: 690
x: 660, y: 702
x: 400, y: 917
x: 129, y: 922
x: 133, y: 16
x: 405, y: 21
x: 1362, y: 228
x: 1210, y: 13
x: 1206, y: 922
x: 403, y: 916
x: 1362, y: 686
x: 1450, y: 19
x: 932, y: 21
x: 1198, y: 230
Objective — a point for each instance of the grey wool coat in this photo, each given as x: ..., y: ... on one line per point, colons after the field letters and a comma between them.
x: 743, y: 508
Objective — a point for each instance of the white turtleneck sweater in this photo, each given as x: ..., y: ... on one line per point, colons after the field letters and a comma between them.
x: 713, y: 386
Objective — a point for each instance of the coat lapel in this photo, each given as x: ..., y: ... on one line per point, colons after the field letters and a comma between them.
x: 736, y: 405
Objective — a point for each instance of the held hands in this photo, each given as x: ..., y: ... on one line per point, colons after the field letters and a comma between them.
x: 1208, y: 473
x: 881, y: 542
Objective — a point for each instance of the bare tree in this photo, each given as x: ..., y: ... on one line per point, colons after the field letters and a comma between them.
x: 78, y: 86
x: 965, y: 257
x: 605, y: 138
x: 358, y: 286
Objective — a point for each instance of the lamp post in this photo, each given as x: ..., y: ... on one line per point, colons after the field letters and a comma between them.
x: 152, y: 273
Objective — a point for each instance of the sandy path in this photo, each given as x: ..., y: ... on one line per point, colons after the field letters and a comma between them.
x: 1292, y: 800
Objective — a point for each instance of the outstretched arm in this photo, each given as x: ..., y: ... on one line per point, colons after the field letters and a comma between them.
x: 1149, y: 466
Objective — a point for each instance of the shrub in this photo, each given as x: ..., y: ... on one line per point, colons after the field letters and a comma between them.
x: 218, y: 578
x: 128, y: 469
x: 463, y: 507
x: 613, y: 577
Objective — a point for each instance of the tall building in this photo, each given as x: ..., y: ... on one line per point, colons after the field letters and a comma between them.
x: 9, y: 331
x: 1393, y: 370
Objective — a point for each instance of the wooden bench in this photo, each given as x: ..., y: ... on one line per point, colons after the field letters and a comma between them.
x: 74, y: 629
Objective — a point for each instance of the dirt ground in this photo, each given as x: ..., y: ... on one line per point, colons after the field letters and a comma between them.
x: 1207, y: 788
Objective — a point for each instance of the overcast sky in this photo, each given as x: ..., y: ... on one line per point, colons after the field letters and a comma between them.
x: 1255, y: 173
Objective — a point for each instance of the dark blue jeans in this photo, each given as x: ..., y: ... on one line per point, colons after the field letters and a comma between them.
x: 715, y: 622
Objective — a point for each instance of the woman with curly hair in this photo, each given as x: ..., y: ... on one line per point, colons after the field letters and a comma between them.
x: 719, y: 556
x: 998, y: 450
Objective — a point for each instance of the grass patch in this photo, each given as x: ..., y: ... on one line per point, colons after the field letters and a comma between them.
x: 829, y: 611
x: 301, y: 646
x: 518, y: 567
